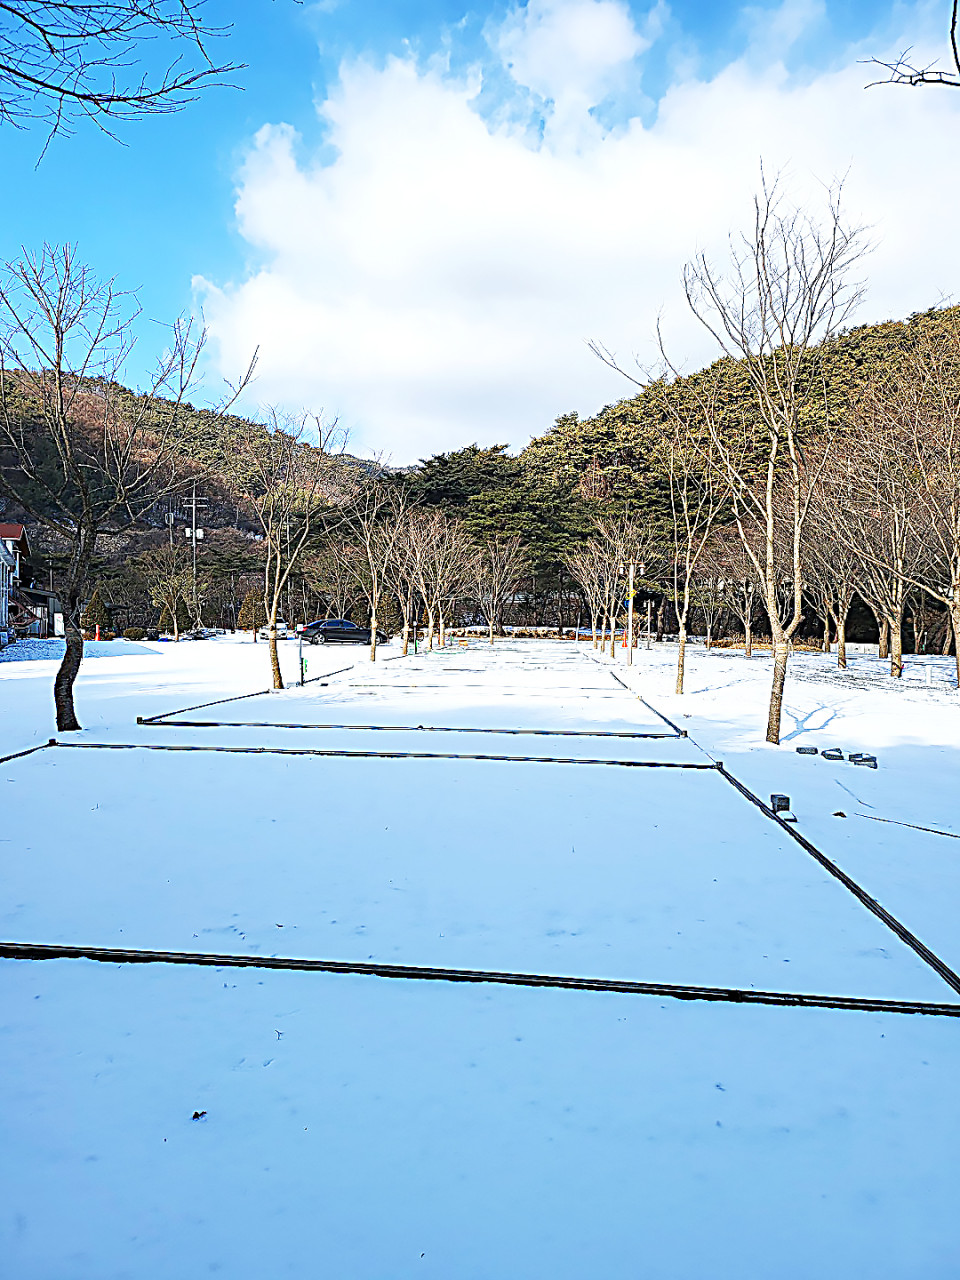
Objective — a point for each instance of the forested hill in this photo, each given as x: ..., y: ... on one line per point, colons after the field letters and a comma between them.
x: 581, y: 467
x: 551, y: 491
x: 204, y: 437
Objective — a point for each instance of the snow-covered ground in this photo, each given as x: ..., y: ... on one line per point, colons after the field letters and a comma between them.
x: 366, y: 1128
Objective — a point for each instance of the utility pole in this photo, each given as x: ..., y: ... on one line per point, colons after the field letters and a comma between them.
x: 193, y: 533
x: 630, y: 615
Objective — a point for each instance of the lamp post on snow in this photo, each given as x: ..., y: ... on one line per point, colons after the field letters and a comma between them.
x: 630, y: 615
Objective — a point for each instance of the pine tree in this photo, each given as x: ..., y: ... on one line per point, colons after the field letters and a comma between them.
x: 96, y: 614
x: 252, y: 614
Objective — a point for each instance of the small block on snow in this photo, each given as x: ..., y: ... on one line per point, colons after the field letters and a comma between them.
x: 780, y: 804
x: 864, y: 758
x: 808, y: 751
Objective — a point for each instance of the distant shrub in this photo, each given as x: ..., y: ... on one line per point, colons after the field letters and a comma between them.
x: 252, y: 613
x: 96, y: 614
x: 134, y: 633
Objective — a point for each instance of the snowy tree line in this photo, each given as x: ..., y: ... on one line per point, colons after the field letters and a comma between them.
x: 810, y: 499
x: 807, y: 474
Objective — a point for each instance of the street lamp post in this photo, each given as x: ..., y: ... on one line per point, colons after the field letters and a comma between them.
x: 630, y: 615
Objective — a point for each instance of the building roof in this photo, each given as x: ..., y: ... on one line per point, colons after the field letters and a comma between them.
x: 15, y: 533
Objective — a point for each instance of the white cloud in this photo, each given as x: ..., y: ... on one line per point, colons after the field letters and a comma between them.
x: 569, y: 53
x: 435, y: 283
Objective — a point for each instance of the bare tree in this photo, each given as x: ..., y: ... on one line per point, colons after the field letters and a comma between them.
x: 904, y: 71
x: 290, y: 484
x: 169, y: 580
x: 587, y: 567
x: 710, y: 598
x: 75, y: 454
x: 916, y: 472
x: 67, y: 60
x: 598, y: 567
x: 452, y: 553
x: 402, y: 576
x: 833, y: 560
x: 441, y: 557
x: 878, y: 520
x: 498, y: 566
x: 374, y: 516
x: 737, y: 581
x: 695, y: 499
x: 419, y: 535
x: 688, y: 457
x: 786, y: 295
x: 327, y: 573
x: 626, y: 549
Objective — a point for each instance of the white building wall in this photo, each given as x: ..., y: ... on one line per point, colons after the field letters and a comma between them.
x: 7, y: 565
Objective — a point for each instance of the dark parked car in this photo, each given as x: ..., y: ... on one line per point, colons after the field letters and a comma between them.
x: 339, y: 631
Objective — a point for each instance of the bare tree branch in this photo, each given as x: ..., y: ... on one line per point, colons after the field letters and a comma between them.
x: 62, y: 62
x: 903, y: 71
x: 82, y: 459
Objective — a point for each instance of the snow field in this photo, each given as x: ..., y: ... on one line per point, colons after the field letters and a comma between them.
x: 368, y: 1128
x: 411, y: 1129
x: 660, y: 875
x: 914, y: 733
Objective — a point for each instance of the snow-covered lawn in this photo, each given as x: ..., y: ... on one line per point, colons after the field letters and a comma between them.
x: 371, y: 1129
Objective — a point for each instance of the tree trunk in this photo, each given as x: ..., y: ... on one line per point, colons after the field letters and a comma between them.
x: 883, y: 647
x: 275, y: 659
x: 825, y: 646
x: 895, y: 632
x: 748, y: 638
x: 442, y: 633
x: 781, y: 652
x: 67, y: 674
x: 681, y: 654
x: 490, y: 621
x: 661, y: 613
x: 431, y: 621
x: 373, y: 634
x: 842, y: 640
x: 406, y: 635
x: 272, y: 608
x: 955, y: 623
x: 918, y: 624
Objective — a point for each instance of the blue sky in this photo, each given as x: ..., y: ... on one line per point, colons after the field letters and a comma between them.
x: 202, y: 206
